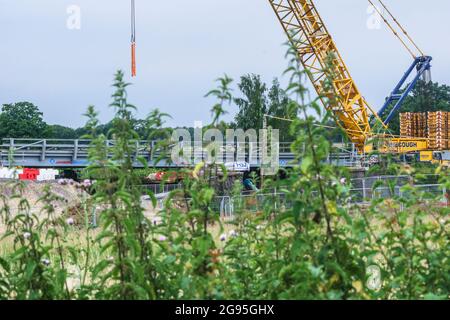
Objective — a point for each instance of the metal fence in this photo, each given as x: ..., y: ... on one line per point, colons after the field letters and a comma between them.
x: 426, y: 191
x: 228, y: 206
x: 369, y: 182
x: 363, y: 191
x: 158, y: 188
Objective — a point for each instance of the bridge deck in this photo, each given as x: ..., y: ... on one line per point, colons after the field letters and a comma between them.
x: 65, y: 153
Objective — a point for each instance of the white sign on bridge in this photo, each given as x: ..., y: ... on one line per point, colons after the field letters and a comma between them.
x: 238, y: 166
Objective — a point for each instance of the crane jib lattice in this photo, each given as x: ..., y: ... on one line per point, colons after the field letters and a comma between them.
x: 315, y: 47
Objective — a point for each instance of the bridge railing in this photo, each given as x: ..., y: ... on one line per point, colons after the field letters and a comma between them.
x: 77, y: 147
x: 39, y: 151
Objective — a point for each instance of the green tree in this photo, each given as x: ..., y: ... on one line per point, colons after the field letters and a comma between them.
x: 21, y: 120
x: 101, y: 129
x: 60, y: 132
x: 258, y: 101
x: 253, y: 105
x: 279, y: 110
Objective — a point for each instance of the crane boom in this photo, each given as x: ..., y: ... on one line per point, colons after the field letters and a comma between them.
x: 314, y: 45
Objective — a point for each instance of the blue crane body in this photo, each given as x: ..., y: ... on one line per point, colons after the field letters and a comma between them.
x: 423, y: 65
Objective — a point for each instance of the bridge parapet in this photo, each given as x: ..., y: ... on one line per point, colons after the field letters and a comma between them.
x: 73, y: 153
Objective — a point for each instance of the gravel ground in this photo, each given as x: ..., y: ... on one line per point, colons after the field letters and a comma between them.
x: 70, y: 195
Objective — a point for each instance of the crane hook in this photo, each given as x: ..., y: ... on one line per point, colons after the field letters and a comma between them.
x: 133, y: 38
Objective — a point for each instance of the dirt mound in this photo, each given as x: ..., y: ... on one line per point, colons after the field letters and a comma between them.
x: 33, y: 191
x: 73, y: 205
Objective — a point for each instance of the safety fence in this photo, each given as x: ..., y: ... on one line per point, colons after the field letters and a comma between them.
x: 362, y: 192
x: 422, y: 192
x: 160, y: 188
x: 228, y: 206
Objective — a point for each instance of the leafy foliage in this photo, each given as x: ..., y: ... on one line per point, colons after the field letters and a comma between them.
x: 320, y: 246
x: 257, y: 101
x: 59, y: 132
x: 21, y: 120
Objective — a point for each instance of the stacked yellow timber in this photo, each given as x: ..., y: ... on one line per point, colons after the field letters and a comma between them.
x: 406, y: 124
x: 420, y: 125
x: 447, y: 131
x: 413, y: 124
x: 432, y: 125
x: 438, y: 130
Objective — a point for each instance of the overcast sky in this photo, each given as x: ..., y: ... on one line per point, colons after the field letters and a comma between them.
x: 184, y: 45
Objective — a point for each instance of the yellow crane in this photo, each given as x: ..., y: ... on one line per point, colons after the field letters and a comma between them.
x: 315, y: 47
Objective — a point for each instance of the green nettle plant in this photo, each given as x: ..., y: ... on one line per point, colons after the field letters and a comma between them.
x: 36, y: 267
x: 308, y: 241
x: 128, y: 272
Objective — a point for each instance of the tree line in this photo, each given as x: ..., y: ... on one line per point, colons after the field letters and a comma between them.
x: 255, y: 101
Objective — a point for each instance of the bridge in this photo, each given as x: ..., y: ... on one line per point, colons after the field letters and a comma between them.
x: 68, y: 153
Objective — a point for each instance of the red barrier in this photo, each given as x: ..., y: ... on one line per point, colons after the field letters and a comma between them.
x: 29, y: 174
